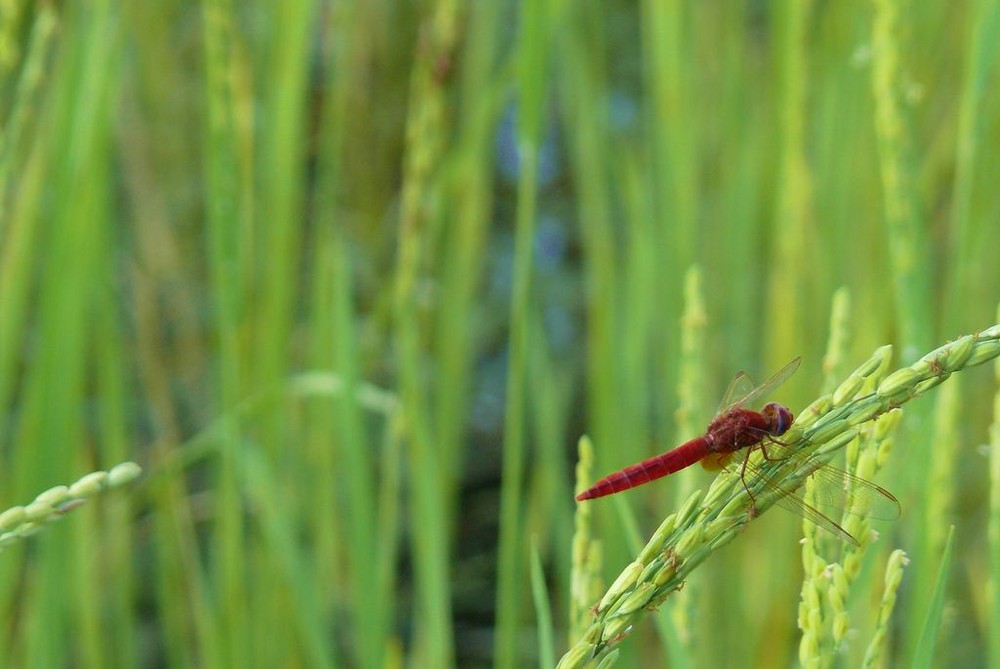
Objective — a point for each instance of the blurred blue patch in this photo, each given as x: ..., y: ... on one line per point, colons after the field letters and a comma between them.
x: 501, y: 278
x: 486, y: 413
x: 560, y: 326
x: 622, y: 110
x: 509, y: 156
x: 551, y: 243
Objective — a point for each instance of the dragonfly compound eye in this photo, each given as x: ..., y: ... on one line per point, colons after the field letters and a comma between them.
x: 779, y: 417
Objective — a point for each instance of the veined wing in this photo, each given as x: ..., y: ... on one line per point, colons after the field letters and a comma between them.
x: 742, y: 393
x: 835, y: 492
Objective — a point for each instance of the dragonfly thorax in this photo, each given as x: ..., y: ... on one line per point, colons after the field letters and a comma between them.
x: 739, y: 428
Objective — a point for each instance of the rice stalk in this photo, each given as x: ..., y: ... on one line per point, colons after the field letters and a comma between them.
x: 20, y: 522
x: 704, y: 524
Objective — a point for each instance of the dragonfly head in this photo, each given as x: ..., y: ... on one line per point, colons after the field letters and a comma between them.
x: 779, y: 418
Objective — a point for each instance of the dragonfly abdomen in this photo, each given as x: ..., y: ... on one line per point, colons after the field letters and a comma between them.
x: 648, y: 470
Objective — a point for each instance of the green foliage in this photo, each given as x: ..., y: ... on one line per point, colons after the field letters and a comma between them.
x: 19, y: 522
x: 924, y: 653
x: 350, y: 279
x: 708, y: 522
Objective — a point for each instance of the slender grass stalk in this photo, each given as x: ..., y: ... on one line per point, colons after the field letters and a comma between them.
x: 120, y: 635
x: 923, y: 656
x: 905, y: 235
x: 75, y: 238
x: 389, y: 529
x: 425, y: 143
x: 640, y: 338
x: 673, y: 131
x: 543, y: 614
x: 176, y: 550
x: 87, y: 539
x: 583, y: 105
x: 288, y: 557
x: 691, y: 410
x: 84, y: 551
x: 904, y: 228
x: 993, y: 524
x: 430, y: 547
x: 352, y: 529
x: 946, y: 452
x: 371, y: 603
x: 533, y: 59
x: 586, y: 563
x: 463, y: 256
x: 552, y: 391
x: 703, y: 524
x: 786, y: 305
x: 21, y: 232
x: 813, y: 602
x: 228, y: 166
x: 321, y: 422
x: 281, y: 168
x: 336, y: 324
x: 787, y: 279
x: 893, y: 577
x: 980, y: 63
x: 690, y: 417
x: 22, y: 114
x: 836, y: 346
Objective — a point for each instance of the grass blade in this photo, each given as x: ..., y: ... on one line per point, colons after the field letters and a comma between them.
x: 923, y: 657
x: 543, y: 614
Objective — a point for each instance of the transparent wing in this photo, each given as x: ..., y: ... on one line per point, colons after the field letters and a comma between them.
x: 739, y: 387
x: 794, y: 503
x: 839, y: 490
x: 741, y: 392
x: 835, y: 491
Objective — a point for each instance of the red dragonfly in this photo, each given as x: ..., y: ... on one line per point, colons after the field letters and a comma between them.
x: 736, y: 427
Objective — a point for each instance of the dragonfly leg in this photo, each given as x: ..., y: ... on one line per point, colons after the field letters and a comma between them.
x: 765, y: 436
x: 743, y: 478
x: 763, y: 449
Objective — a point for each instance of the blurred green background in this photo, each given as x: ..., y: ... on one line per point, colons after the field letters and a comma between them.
x: 351, y: 278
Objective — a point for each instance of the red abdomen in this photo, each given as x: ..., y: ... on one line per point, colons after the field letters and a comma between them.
x: 649, y: 469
